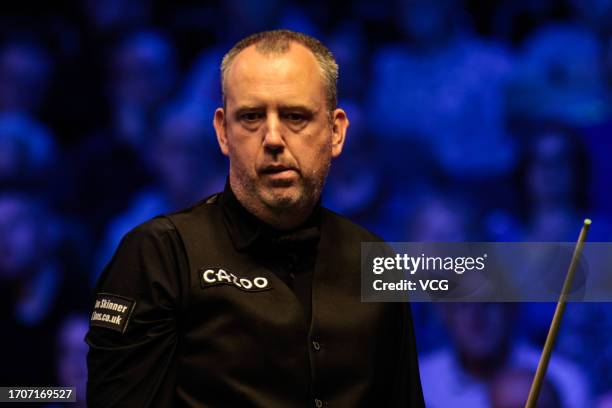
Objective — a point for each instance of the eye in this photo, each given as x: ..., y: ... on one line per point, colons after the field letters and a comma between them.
x: 295, y: 118
x: 251, y: 117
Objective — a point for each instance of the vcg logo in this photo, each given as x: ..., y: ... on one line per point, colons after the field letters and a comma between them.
x: 213, y: 277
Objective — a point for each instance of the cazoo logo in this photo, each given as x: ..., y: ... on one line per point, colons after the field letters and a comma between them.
x: 213, y: 277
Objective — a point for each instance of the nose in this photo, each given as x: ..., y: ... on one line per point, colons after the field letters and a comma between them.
x: 273, y: 138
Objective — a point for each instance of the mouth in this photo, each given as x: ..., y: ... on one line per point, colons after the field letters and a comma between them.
x: 277, y: 169
x: 278, y: 173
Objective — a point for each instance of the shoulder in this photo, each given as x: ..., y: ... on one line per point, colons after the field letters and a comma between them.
x: 347, y: 230
x: 202, y: 210
x: 143, y: 245
x: 169, y: 226
x: 157, y: 228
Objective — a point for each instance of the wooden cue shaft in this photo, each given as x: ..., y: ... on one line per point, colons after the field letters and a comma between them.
x: 536, y: 385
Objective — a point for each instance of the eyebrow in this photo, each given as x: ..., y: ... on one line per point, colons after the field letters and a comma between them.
x: 282, y: 106
x: 304, y: 108
x: 285, y: 108
x: 244, y: 108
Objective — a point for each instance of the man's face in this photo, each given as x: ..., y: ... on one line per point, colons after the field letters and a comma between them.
x: 277, y: 130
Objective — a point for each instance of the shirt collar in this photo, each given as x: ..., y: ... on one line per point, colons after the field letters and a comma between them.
x: 245, y: 228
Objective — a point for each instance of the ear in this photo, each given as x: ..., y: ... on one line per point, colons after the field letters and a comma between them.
x: 220, y: 130
x: 340, y: 123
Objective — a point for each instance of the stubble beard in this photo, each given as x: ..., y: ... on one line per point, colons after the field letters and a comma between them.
x: 301, y: 196
x: 264, y: 202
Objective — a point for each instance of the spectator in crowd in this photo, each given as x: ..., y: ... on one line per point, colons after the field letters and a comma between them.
x: 444, y: 86
x: 25, y: 73
x: 436, y: 217
x: 605, y: 400
x: 554, y: 190
x: 559, y: 77
x: 440, y: 218
x: 71, y: 355
x: 510, y: 389
x: 512, y: 20
x: 561, y: 73
x: 112, y: 16
x: 143, y: 76
x: 484, y: 346
x: 596, y: 14
x: 27, y: 151
x: 599, y: 143
x: 350, y: 46
x: 556, y: 181
x: 188, y: 168
x: 111, y: 165
x: 200, y: 87
x: 553, y: 179
x: 35, y: 289
x: 246, y: 17
x: 356, y: 190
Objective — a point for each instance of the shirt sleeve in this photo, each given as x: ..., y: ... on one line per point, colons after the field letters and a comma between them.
x: 133, y: 328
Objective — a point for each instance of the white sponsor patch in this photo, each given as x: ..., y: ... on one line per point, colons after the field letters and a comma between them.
x: 112, y: 311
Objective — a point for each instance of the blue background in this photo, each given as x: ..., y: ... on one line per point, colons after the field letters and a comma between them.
x: 470, y: 121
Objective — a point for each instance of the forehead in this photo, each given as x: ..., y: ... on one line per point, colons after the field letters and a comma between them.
x: 293, y: 77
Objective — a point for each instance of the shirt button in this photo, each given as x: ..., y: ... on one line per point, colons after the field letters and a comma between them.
x: 316, y: 345
x: 318, y: 403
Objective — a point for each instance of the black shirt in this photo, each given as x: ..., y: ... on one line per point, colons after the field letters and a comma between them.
x: 209, y: 307
x: 289, y: 254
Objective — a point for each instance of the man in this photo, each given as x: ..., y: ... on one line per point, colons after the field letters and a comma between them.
x: 252, y: 297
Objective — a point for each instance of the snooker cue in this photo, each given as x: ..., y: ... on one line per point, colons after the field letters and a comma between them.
x: 538, y: 379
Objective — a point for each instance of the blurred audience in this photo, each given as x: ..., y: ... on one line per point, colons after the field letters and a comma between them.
x: 443, y: 85
x: 142, y: 76
x: 353, y: 189
x: 111, y: 165
x: 72, y: 355
x: 108, y: 16
x: 105, y: 121
x: 560, y: 77
x: 27, y: 151
x: 556, y: 182
x: 510, y: 389
x: 483, y: 346
x: 37, y: 289
x: 349, y: 44
x: 188, y: 166
x: 605, y: 400
x: 25, y: 72
x: 436, y: 218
